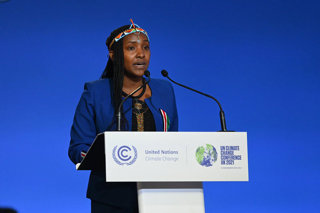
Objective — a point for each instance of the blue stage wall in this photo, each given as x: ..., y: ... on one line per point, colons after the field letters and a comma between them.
x: 259, y: 58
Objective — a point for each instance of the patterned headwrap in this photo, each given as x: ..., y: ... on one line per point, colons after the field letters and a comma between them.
x: 132, y: 29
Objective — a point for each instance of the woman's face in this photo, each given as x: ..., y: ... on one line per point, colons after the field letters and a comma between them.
x: 136, y: 52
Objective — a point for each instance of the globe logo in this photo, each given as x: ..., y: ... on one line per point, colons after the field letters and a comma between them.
x: 206, y: 155
x: 124, y: 155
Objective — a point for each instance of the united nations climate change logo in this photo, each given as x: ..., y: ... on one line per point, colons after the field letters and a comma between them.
x: 206, y: 155
x: 124, y: 155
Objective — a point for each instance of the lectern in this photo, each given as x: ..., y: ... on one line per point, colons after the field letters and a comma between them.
x: 169, y: 167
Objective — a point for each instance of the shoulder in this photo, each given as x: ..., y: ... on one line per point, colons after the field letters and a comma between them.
x: 160, y: 84
x: 161, y: 89
x: 97, y: 84
x: 98, y: 89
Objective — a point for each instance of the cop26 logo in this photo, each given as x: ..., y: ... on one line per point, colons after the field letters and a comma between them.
x: 124, y: 155
x: 206, y: 155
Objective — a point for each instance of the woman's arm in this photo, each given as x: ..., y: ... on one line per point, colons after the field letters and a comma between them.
x: 83, y: 130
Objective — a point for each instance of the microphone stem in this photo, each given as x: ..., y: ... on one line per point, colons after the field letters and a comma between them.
x: 222, y: 116
x: 223, y: 121
x: 209, y: 96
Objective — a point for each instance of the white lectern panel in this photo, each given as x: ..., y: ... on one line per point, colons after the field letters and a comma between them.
x: 171, y: 197
x: 176, y: 156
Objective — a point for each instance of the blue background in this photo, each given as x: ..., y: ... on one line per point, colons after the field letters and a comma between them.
x: 259, y: 58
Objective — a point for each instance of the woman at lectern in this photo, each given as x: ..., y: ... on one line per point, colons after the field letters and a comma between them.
x: 152, y: 108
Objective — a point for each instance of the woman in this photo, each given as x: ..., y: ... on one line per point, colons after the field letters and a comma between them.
x: 153, y: 108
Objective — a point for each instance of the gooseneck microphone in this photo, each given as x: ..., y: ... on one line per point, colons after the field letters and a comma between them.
x: 118, y: 114
x: 222, y: 117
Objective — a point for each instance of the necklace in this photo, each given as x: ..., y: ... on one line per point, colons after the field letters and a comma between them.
x: 141, y: 94
x: 138, y: 109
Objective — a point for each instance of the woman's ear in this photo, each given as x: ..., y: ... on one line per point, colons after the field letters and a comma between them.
x: 111, y: 53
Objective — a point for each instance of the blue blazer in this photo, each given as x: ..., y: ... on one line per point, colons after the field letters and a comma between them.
x: 95, y: 114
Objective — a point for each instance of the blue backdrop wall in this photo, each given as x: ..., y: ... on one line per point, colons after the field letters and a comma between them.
x: 259, y: 58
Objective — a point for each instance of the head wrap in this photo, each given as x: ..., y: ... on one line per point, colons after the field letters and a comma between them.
x: 132, y: 29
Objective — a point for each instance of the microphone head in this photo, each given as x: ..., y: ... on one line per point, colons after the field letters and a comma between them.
x: 147, y: 73
x: 164, y: 73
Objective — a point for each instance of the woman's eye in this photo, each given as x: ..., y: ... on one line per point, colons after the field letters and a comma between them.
x: 146, y: 47
x: 130, y: 48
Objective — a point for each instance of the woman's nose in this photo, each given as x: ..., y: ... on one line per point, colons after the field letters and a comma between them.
x: 140, y: 53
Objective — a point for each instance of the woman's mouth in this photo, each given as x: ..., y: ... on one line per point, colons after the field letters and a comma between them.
x: 139, y: 65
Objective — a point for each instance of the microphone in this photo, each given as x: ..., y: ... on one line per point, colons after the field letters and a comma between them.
x: 118, y: 114
x: 222, y: 117
x: 147, y: 74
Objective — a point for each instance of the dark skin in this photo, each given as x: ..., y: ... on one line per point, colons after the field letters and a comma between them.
x: 136, y: 52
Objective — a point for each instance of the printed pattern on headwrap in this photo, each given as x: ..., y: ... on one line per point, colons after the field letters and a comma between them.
x: 166, y: 120
x: 132, y: 29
